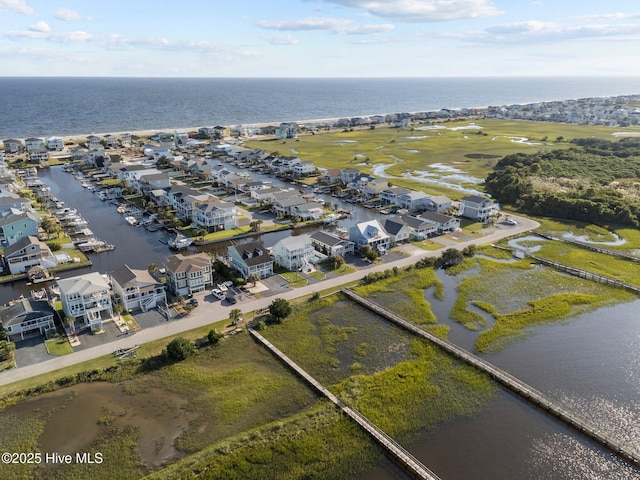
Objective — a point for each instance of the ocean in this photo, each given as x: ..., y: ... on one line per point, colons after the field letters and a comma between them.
x: 45, y: 106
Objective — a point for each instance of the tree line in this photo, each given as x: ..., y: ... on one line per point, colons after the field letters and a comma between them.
x: 606, y: 171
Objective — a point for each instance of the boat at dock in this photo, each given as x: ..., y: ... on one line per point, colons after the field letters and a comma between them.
x: 179, y: 242
x: 131, y: 220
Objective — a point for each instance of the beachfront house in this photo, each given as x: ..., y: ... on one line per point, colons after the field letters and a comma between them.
x: 86, y: 298
x: 55, y: 143
x: 13, y: 146
x: 443, y: 223
x: 476, y: 207
x: 26, y: 253
x: 249, y: 259
x: 370, y: 234
x: 94, y: 143
x: 214, y: 216
x: 330, y: 244
x: 187, y: 275
x: 287, y: 130
x: 137, y: 289
x: 294, y: 253
x: 34, y: 143
x: 14, y: 227
x: 25, y: 318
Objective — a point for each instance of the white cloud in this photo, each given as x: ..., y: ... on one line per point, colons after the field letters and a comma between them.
x: 40, y: 27
x: 607, y: 16
x: 335, y: 25
x: 69, y: 15
x: 545, y: 32
x: 281, y: 40
x: 16, y: 6
x: 423, y: 10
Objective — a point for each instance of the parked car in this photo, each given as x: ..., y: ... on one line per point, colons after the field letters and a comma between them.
x: 216, y: 292
x: 228, y: 283
x: 194, y: 302
x: 222, y: 287
x: 231, y: 299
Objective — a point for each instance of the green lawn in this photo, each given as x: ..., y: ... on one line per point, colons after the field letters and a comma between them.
x: 294, y: 278
x: 59, y: 346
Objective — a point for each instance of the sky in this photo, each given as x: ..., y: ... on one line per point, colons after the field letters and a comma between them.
x: 319, y: 38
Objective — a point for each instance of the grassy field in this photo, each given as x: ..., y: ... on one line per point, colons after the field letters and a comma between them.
x: 473, y: 151
x: 59, y: 346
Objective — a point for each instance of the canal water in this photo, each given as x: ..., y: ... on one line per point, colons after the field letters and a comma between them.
x: 590, y: 363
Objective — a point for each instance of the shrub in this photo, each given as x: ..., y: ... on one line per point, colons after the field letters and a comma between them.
x: 179, y: 348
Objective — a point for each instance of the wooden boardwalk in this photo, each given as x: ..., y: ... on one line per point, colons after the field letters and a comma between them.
x: 408, y: 461
x: 509, y: 381
x: 589, y: 246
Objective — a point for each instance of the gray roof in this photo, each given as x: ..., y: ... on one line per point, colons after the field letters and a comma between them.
x: 178, y: 263
x: 435, y: 217
x: 252, y: 253
x: 125, y: 275
x: 393, y: 225
x: 22, y: 243
x: 23, y: 310
x: 326, y: 238
x: 291, y: 201
x: 475, y: 199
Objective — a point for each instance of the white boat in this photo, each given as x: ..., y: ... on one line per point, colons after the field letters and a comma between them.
x: 131, y: 220
x: 179, y: 242
x: 334, y: 217
x: 102, y: 196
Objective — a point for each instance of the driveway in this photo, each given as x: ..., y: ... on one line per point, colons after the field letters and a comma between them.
x: 31, y: 351
x: 90, y: 340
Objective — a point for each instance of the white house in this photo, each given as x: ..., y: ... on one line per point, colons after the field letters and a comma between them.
x: 214, y: 216
x: 26, y: 253
x: 137, y: 289
x: 330, y: 244
x: 251, y: 258
x: 55, y: 143
x: 444, y: 223
x: 476, y: 207
x: 86, y: 297
x: 439, y: 203
x: 308, y: 211
x: 419, y: 228
x: 412, y: 200
x: 187, y: 275
x: 389, y: 195
x: 370, y: 234
x: 26, y: 317
x: 294, y: 253
x: 304, y: 168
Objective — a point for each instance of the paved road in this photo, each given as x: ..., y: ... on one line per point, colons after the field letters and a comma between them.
x: 209, y: 313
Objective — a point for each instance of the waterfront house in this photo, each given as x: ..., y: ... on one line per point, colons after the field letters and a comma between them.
x: 396, y: 229
x: 294, y: 253
x: 303, y: 168
x: 287, y: 130
x: 33, y: 143
x: 13, y: 146
x: 308, y: 211
x: 39, y: 156
x: 137, y: 289
x: 214, y: 216
x: 14, y: 227
x: 264, y: 194
x: 330, y: 244
x: 153, y: 181
x: 86, y: 297
x: 55, y: 143
x: 251, y: 258
x: 94, y: 143
x: 187, y: 275
x: 412, y: 200
x: 14, y: 202
x: 285, y: 164
x: 349, y: 175
x: 419, y: 228
x: 374, y: 187
x: 330, y: 176
x: 370, y: 234
x: 111, y: 141
x: 439, y: 203
x: 26, y: 253
x: 389, y: 195
x: 284, y: 207
x: 476, y: 207
x: 26, y: 317
x: 443, y: 223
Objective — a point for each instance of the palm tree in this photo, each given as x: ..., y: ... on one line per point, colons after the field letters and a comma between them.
x: 235, y: 314
x: 253, y: 278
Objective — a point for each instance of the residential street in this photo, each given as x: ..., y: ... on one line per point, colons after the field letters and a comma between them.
x: 208, y: 312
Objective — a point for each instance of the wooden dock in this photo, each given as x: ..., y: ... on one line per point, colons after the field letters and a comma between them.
x: 404, y: 458
x: 520, y: 388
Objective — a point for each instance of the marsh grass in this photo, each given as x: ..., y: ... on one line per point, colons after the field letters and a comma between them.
x: 519, y: 296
